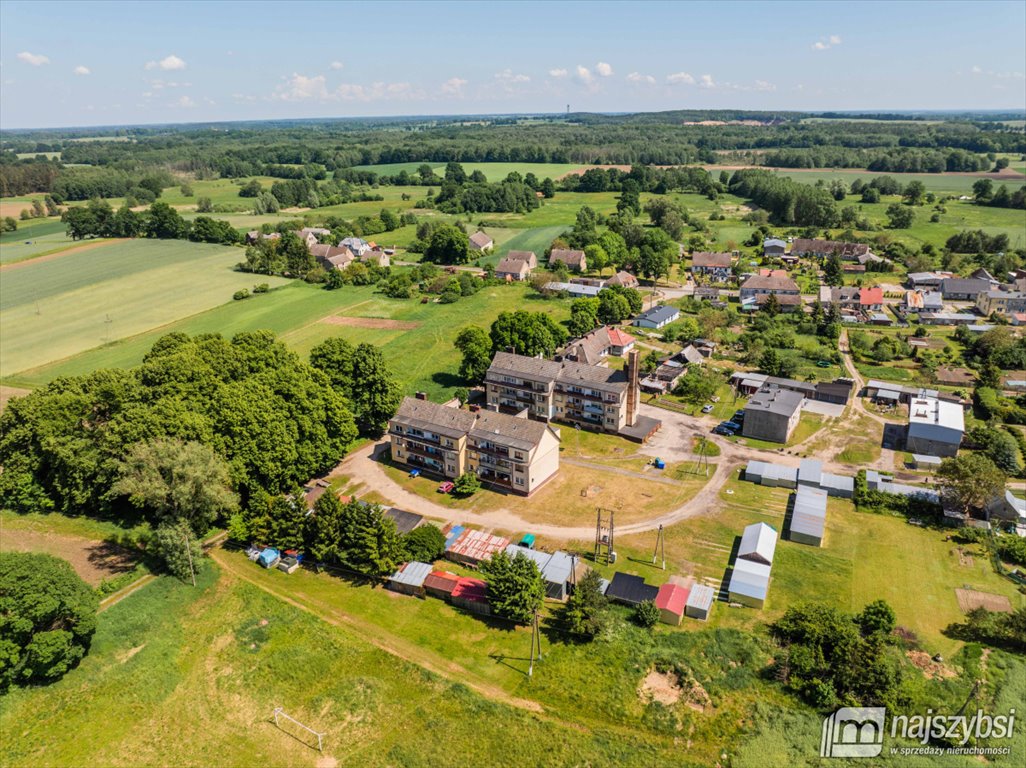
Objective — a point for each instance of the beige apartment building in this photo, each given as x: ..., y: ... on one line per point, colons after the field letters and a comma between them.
x: 515, y: 453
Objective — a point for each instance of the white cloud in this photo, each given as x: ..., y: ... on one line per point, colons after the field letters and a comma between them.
x: 706, y: 81
x: 763, y: 85
x: 679, y: 78
x: 825, y: 43
x: 80, y: 70
x: 454, y: 87
x: 337, y: 65
x: 158, y: 85
x: 167, y: 63
x: 604, y: 70
x: 35, y: 59
x: 637, y: 77
x: 185, y: 102
x: 977, y: 69
x: 558, y: 73
x: 508, y: 76
x: 302, y: 88
x: 584, y: 75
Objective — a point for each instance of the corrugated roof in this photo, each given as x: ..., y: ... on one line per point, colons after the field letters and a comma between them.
x: 750, y: 579
x: 477, y: 545
x: 412, y: 574
x: 661, y: 314
x: 701, y: 596
x: 441, y: 581
x: 672, y: 597
x: 404, y: 521
x: 468, y: 588
x: 810, y: 471
x: 555, y: 567
x: 809, y: 514
x: 758, y: 543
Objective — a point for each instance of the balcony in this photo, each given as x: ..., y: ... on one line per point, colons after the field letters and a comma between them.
x: 421, y: 437
x: 497, y: 450
x: 492, y: 461
x: 419, y: 450
x: 498, y: 478
x: 429, y: 464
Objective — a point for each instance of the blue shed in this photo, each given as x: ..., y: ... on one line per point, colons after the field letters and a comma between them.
x: 268, y: 558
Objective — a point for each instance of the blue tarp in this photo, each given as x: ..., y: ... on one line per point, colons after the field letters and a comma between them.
x: 454, y: 534
x: 268, y: 557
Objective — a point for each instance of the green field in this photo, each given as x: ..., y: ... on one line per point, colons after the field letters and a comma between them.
x: 423, y: 358
x: 34, y: 238
x: 934, y: 182
x: 59, y: 307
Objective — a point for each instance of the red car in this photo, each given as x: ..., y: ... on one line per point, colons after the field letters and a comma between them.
x: 446, y: 487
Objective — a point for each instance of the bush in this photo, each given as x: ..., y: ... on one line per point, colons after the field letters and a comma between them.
x: 449, y: 297
x: 240, y: 294
x: 646, y: 614
x: 262, y: 288
x: 425, y: 544
x: 467, y: 484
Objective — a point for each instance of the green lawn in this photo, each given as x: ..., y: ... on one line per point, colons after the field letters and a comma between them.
x: 423, y: 358
x: 34, y: 238
x: 58, y: 308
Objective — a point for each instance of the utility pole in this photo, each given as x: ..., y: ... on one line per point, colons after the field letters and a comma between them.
x: 188, y: 551
x: 660, y: 547
x: 535, y: 640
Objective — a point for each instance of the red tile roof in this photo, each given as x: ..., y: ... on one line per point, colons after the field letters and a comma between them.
x: 870, y: 296
x: 618, y: 338
x: 672, y: 597
x: 471, y: 589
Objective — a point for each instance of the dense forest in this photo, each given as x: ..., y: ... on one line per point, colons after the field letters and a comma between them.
x: 118, y: 160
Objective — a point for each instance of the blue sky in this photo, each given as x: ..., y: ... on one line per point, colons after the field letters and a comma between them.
x: 94, y: 63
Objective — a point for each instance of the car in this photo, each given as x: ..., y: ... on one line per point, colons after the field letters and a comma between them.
x: 446, y: 487
x: 731, y: 425
x: 719, y: 429
x: 738, y: 416
x: 707, y: 409
x: 414, y: 473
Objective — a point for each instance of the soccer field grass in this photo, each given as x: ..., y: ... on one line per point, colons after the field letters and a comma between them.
x: 59, y: 307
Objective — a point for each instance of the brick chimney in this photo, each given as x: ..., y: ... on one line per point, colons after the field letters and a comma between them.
x: 633, y: 386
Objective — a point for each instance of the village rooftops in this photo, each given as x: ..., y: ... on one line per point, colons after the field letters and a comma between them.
x: 523, y: 434
x: 513, y: 266
x: 827, y: 247
x: 774, y: 400
x: 480, y: 240
x: 566, y: 372
x: 523, y: 367
x: 426, y: 416
x: 769, y: 283
x: 526, y: 256
x: 941, y: 413
x: 706, y: 260
x: 571, y: 258
x: 662, y: 313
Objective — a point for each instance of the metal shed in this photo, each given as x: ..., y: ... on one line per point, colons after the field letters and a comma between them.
x: 671, y: 600
x: 404, y: 521
x: 409, y: 579
x: 808, y: 516
x: 471, y: 547
x: 556, y: 568
x: 471, y: 595
x: 440, y: 584
x: 749, y: 583
x: 630, y: 590
x: 758, y: 543
x: 810, y: 472
x: 700, y: 602
x: 921, y: 461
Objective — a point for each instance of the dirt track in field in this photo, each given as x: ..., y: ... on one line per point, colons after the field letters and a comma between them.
x: 93, y: 560
x: 968, y: 599
x: 61, y: 254
x: 370, y: 322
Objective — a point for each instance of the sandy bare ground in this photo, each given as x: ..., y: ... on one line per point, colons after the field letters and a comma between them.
x: 370, y: 322
x: 968, y: 599
x: 61, y: 254
x: 6, y: 393
x: 13, y: 209
x: 93, y: 560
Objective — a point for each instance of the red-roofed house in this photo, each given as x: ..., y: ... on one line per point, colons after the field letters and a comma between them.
x: 620, y: 343
x: 871, y: 299
x: 671, y: 601
x: 1017, y: 318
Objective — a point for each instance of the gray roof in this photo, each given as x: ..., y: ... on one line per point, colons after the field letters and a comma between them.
x: 964, y: 285
x: 412, y: 573
x: 571, y: 258
x: 701, y: 596
x: 404, y: 521
x: 769, y: 283
x: 556, y: 567
x: 772, y: 241
x: 524, y: 434
x: 434, y: 417
x: 758, y: 543
x: 810, y: 471
x: 524, y: 367
x: 749, y: 579
x: 578, y: 288
x: 594, y: 376
x: 809, y: 514
x: 661, y: 314
x: 711, y: 260
x: 783, y: 402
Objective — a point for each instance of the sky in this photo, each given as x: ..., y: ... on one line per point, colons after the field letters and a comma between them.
x: 97, y: 63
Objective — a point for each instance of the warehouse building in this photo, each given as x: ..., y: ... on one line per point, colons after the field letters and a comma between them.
x: 758, y: 543
x: 772, y: 414
x: 935, y: 427
x: 808, y: 516
x: 749, y: 583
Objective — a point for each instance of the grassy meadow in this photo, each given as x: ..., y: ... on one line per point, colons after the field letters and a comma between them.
x: 52, y: 309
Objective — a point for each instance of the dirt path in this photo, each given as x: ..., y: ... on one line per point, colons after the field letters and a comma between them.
x: 111, y: 600
x: 373, y: 634
x: 61, y: 253
x: 93, y: 560
x: 6, y: 393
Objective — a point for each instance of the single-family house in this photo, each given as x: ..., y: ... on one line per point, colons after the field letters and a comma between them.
x: 527, y: 256
x: 772, y: 246
x: 479, y: 241
x: 571, y: 259
x: 357, y: 245
x: 512, y: 269
x: 593, y: 347
x: 622, y: 279
x: 657, y: 317
x: 712, y: 266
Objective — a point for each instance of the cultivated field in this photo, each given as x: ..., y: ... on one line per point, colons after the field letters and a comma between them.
x: 55, y: 308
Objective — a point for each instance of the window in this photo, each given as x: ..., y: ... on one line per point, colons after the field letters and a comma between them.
x: 519, y: 455
x: 451, y: 468
x: 610, y: 421
x: 398, y: 429
x: 398, y: 454
x: 519, y: 481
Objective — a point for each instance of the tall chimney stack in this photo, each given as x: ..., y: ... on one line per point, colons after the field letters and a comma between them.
x: 633, y: 386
